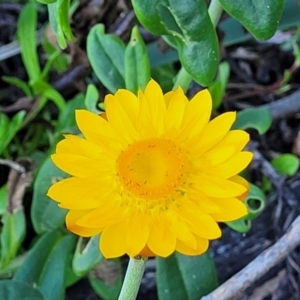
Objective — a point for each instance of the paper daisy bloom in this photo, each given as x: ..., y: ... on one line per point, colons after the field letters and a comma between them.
x: 154, y: 175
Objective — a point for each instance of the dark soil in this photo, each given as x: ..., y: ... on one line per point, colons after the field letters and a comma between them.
x: 256, y: 73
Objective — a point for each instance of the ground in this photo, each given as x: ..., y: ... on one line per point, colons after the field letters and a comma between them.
x: 257, y: 71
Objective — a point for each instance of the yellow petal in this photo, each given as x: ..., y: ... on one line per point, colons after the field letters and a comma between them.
x: 234, y: 165
x: 214, y: 132
x: 95, y: 128
x: 161, y: 239
x: 81, y: 166
x: 137, y: 234
x: 175, y: 111
x: 234, y: 138
x: 230, y: 209
x: 129, y: 102
x: 180, y: 229
x: 202, y: 246
x: 196, y: 115
x: 119, y: 119
x: 217, y: 187
x: 240, y: 180
x: 71, y: 223
x: 113, y: 240
x: 73, y: 144
x: 152, y: 110
x: 107, y: 214
x: 200, y: 223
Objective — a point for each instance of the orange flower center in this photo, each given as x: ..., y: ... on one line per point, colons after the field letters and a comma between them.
x: 151, y: 169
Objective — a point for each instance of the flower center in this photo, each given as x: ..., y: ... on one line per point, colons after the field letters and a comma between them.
x: 152, y: 168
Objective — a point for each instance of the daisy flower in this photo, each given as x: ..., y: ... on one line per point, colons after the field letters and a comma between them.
x: 153, y: 174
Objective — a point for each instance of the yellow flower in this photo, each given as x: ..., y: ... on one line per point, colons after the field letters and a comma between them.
x: 154, y: 175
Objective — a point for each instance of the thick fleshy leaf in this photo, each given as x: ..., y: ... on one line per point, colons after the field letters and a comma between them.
x: 86, y: 257
x: 147, y: 13
x: 137, y: 64
x: 257, y: 118
x: 46, y: 263
x: 106, y: 54
x: 12, y: 290
x: 12, y: 234
x: 45, y: 213
x: 286, y: 164
x: 185, y: 277
x: 261, y: 18
x: 186, y: 21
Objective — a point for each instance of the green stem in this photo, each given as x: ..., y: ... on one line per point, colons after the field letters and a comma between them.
x: 133, y: 278
x: 183, y: 78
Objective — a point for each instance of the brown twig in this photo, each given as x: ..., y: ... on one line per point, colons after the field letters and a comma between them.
x: 236, y: 285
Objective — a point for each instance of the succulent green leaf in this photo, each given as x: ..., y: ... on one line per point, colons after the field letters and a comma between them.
x: 185, y: 277
x: 12, y: 235
x: 86, y: 256
x: 106, y: 54
x: 8, y: 128
x: 286, y: 164
x: 12, y: 290
x: 256, y: 203
x: 197, y: 41
x: 147, y: 13
x: 46, y: 264
x: 261, y: 18
x: 137, y: 64
x: 45, y: 213
x: 91, y: 99
x: 257, y: 118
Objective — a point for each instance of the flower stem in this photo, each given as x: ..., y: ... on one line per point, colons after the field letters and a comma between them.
x: 183, y: 78
x: 133, y: 278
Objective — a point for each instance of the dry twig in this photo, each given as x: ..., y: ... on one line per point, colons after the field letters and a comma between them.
x: 236, y: 285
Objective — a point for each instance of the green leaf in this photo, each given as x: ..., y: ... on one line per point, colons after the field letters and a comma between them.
x: 109, y: 286
x: 12, y: 290
x: 46, y: 1
x: 165, y: 76
x: 137, y: 64
x: 218, y: 88
x: 46, y: 263
x: 26, y: 33
x: 52, y: 11
x: 18, y: 83
x: 59, y: 21
x: 86, y: 257
x: 56, y: 97
x: 257, y: 118
x: 8, y: 129
x: 12, y: 235
x: 45, y: 213
x: 186, y: 21
x: 56, y: 59
x: 66, y: 121
x: 91, y: 99
x: 106, y: 55
x: 256, y: 203
x: 147, y: 13
x: 286, y: 164
x: 3, y: 199
x: 185, y: 277
x: 63, y: 18
x: 261, y: 18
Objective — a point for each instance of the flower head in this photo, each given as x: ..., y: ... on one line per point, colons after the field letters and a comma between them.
x: 154, y: 175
